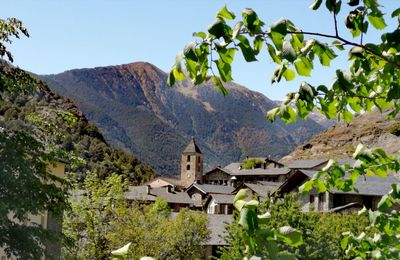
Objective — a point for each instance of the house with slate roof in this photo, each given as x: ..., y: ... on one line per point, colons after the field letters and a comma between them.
x: 370, y: 191
x: 145, y: 194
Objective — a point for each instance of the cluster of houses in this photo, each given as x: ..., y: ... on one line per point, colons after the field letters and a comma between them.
x: 213, y: 191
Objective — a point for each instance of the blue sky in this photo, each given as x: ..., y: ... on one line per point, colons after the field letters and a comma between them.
x: 68, y: 34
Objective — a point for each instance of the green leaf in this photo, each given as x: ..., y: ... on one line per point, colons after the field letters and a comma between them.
x: 385, y: 203
x: 225, y: 13
x: 272, y: 53
x: 247, y: 51
x: 236, y: 30
x: 344, y: 242
x: 394, y: 91
x: 396, y: 13
x: 171, y: 79
x: 306, y: 187
x: 303, y: 67
x: 347, y: 116
x: 258, y: 42
x: 272, y: 114
x: 316, y: 4
x: 288, y: 52
x: 227, y: 55
x: 289, y: 74
x: 202, y: 35
x: 218, y: 83
x: 218, y: 28
x: 189, y: 51
x: 377, y: 21
x: 338, y: 44
x: 353, y: 2
x: 178, y: 74
x: 290, y: 235
x: 224, y: 70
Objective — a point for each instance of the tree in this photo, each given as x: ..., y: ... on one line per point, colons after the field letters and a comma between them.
x: 322, y: 233
x: 27, y: 187
x: 371, y: 81
x: 101, y: 220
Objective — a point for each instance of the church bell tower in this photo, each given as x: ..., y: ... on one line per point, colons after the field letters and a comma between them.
x: 191, y: 164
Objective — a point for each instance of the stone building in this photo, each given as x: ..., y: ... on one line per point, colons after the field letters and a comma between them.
x: 370, y: 191
x: 191, y: 164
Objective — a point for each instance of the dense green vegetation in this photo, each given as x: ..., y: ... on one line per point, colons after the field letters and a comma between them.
x: 321, y: 232
x: 102, y: 220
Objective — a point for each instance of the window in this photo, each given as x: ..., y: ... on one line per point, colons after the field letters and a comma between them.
x: 188, y: 158
x: 188, y: 167
x: 312, y: 198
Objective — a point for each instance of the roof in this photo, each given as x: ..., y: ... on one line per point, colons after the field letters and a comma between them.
x: 172, y: 181
x: 212, y: 188
x: 139, y: 193
x: 192, y: 147
x: 371, y: 185
x: 223, y: 198
x: 263, y: 190
x: 171, y: 196
x: 232, y: 167
x: 262, y: 171
x: 216, y: 225
x: 366, y: 185
x: 306, y: 164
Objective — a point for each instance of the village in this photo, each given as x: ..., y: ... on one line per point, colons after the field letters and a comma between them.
x: 213, y: 192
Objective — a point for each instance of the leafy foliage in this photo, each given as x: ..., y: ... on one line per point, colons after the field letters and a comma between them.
x: 321, y: 233
x: 9, y: 28
x: 253, y: 238
x: 101, y: 220
x: 372, y: 80
x: 251, y: 163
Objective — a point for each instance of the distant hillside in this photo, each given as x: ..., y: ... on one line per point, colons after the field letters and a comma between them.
x: 339, y: 141
x: 82, y: 137
x: 136, y: 111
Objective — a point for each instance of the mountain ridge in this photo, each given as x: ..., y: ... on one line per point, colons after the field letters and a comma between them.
x: 136, y: 111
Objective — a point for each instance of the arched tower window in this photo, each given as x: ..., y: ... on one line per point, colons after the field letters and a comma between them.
x: 188, y: 167
x: 188, y: 158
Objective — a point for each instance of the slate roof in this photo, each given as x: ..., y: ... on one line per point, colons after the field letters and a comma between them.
x: 263, y: 190
x: 151, y: 194
x: 306, y: 164
x: 172, y: 196
x: 216, y: 225
x: 232, y: 167
x: 372, y: 185
x: 262, y: 172
x: 223, y: 198
x: 192, y: 147
x: 139, y: 193
x: 211, y: 188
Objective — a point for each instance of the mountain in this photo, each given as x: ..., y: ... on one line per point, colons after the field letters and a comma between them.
x: 27, y: 104
x: 136, y: 111
x: 339, y: 141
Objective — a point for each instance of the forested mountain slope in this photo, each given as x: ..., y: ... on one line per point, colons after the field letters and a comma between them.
x: 67, y: 128
x: 135, y: 110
